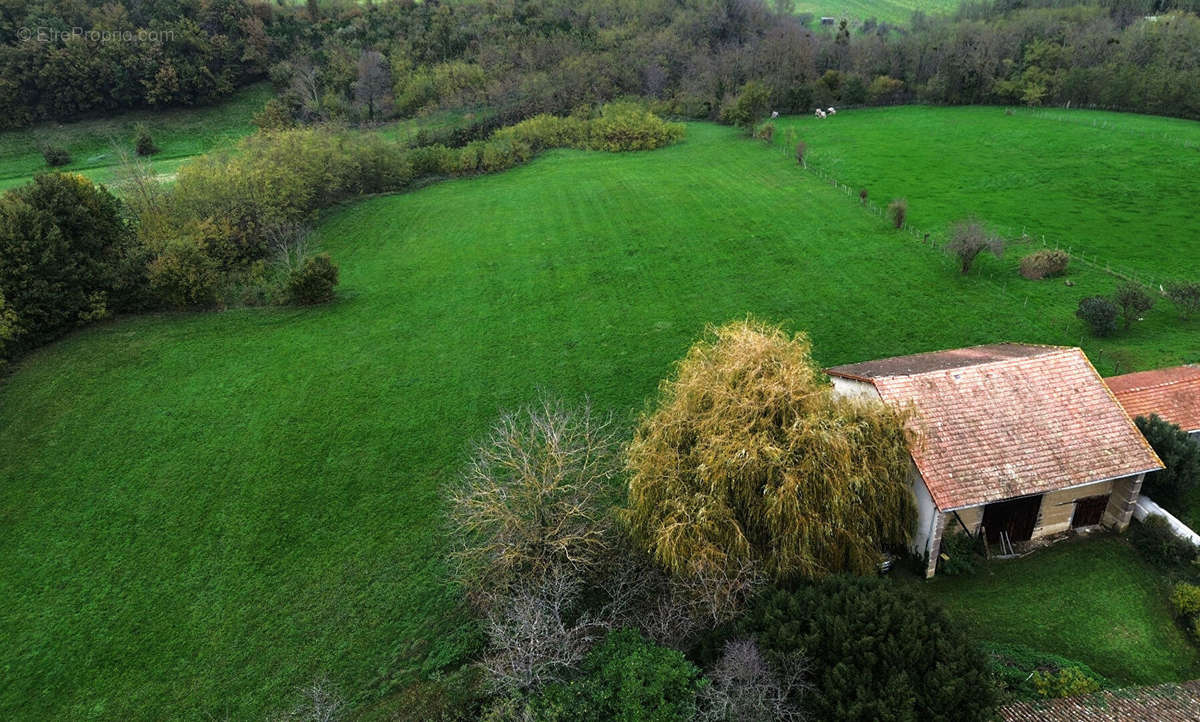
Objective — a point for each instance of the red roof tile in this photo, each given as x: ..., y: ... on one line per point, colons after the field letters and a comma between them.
x: 1028, y: 420
x: 1173, y: 394
x: 1161, y: 703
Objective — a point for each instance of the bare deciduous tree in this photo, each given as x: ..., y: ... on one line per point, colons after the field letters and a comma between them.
x: 531, y: 642
x: 714, y: 594
x: 373, y: 89
x: 969, y: 238
x: 306, y: 85
x: 536, y: 501
x: 289, y: 241
x: 747, y: 688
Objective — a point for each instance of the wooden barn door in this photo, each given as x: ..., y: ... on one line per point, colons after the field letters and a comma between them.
x: 1089, y: 511
x: 1018, y: 517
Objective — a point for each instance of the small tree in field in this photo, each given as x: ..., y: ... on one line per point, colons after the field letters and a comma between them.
x: 1100, y: 314
x: 1134, y: 300
x: 968, y: 239
x: 535, y: 503
x: 801, y: 149
x: 898, y: 211
x: 1179, y: 454
x: 1186, y: 297
x: 749, y: 460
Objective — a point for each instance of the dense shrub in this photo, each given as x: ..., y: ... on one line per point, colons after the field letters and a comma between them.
x: 765, y: 132
x: 503, y: 153
x: 1186, y: 297
x: 1133, y: 299
x: 276, y: 114
x: 878, y: 651
x: 625, y: 677
x: 1185, y: 602
x: 8, y: 324
x: 184, y: 275
x: 897, y: 211
x: 628, y: 126
x: 750, y: 392
x: 63, y: 252
x: 313, y: 282
x: 748, y: 106
x: 143, y: 143
x: 970, y: 237
x: 548, y: 131
x: 1064, y: 682
x: 1045, y: 263
x: 433, y: 160
x: 1099, y: 313
x: 960, y: 554
x: 1028, y: 674
x: 55, y: 155
x: 1154, y: 539
x: 1180, y: 454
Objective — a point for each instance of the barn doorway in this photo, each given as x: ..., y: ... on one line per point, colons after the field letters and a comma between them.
x: 1089, y: 511
x: 1016, y: 517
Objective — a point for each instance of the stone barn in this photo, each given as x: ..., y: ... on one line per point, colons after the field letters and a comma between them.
x: 1014, y: 442
x: 1173, y: 394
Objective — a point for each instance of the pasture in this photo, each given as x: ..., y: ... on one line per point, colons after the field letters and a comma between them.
x: 180, y: 134
x: 201, y: 511
x: 1115, y: 186
x: 897, y: 12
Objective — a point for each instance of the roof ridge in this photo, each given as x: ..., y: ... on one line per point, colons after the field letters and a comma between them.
x: 1051, y: 350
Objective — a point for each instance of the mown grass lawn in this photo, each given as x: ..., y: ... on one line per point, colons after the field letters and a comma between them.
x: 1091, y: 600
x: 200, y: 511
x: 1117, y: 186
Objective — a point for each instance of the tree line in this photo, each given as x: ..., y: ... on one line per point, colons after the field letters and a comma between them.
x: 374, y: 61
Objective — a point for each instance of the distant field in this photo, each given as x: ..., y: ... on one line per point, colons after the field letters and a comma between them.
x: 891, y: 11
x: 179, y: 134
x: 1118, y: 186
x: 200, y: 511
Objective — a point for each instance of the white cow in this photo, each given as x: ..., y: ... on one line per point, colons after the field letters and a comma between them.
x: 820, y: 113
x: 832, y: 111
x: 774, y: 114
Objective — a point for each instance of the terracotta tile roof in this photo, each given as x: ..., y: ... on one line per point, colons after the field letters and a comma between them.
x: 937, y: 360
x: 1161, y: 703
x: 1014, y: 420
x: 1173, y: 394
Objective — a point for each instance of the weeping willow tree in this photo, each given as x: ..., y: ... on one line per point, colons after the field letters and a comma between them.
x: 748, y: 458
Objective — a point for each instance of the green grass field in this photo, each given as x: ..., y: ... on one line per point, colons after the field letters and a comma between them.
x: 179, y: 134
x: 201, y: 511
x: 1092, y: 600
x: 897, y: 12
x: 1112, y: 185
